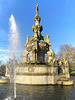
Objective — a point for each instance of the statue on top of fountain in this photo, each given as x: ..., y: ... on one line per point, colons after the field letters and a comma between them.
x: 36, y: 8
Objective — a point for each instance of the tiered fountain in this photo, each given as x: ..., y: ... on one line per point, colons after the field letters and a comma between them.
x: 33, y: 68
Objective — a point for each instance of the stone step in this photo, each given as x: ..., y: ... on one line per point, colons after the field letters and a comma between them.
x: 64, y: 79
x: 69, y: 82
x: 62, y: 75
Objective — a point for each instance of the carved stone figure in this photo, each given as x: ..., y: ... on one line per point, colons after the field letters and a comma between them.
x: 65, y: 63
x: 27, y: 39
x: 36, y: 8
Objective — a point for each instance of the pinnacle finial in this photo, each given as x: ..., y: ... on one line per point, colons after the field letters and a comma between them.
x: 36, y: 8
x: 37, y: 17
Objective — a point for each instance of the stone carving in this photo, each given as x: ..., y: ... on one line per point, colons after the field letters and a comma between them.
x: 39, y: 48
x: 27, y: 39
x: 55, y: 63
x: 31, y: 69
x: 36, y: 8
x: 65, y: 63
x: 47, y: 38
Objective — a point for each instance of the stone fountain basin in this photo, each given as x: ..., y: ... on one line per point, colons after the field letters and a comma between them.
x: 4, y: 79
x: 42, y: 46
x: 68, y: 82
x: 64, y: 79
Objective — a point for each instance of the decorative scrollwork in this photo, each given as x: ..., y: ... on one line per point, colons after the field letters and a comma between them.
x: 31, y: 69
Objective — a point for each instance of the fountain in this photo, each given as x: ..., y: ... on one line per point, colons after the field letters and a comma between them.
x: 33, y: 68
x: 13, y: 50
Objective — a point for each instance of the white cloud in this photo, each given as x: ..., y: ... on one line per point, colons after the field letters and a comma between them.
x: 3, y: 55
x: 3, y: 50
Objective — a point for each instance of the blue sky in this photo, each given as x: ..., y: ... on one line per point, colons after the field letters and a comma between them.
x: 57, y: 19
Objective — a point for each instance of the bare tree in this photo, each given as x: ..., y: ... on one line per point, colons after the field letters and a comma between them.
x: 68, y: 51
x: 72, y: 55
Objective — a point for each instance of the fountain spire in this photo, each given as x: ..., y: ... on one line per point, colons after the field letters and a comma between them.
x: 37, y: 28
x: 37, y: 17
